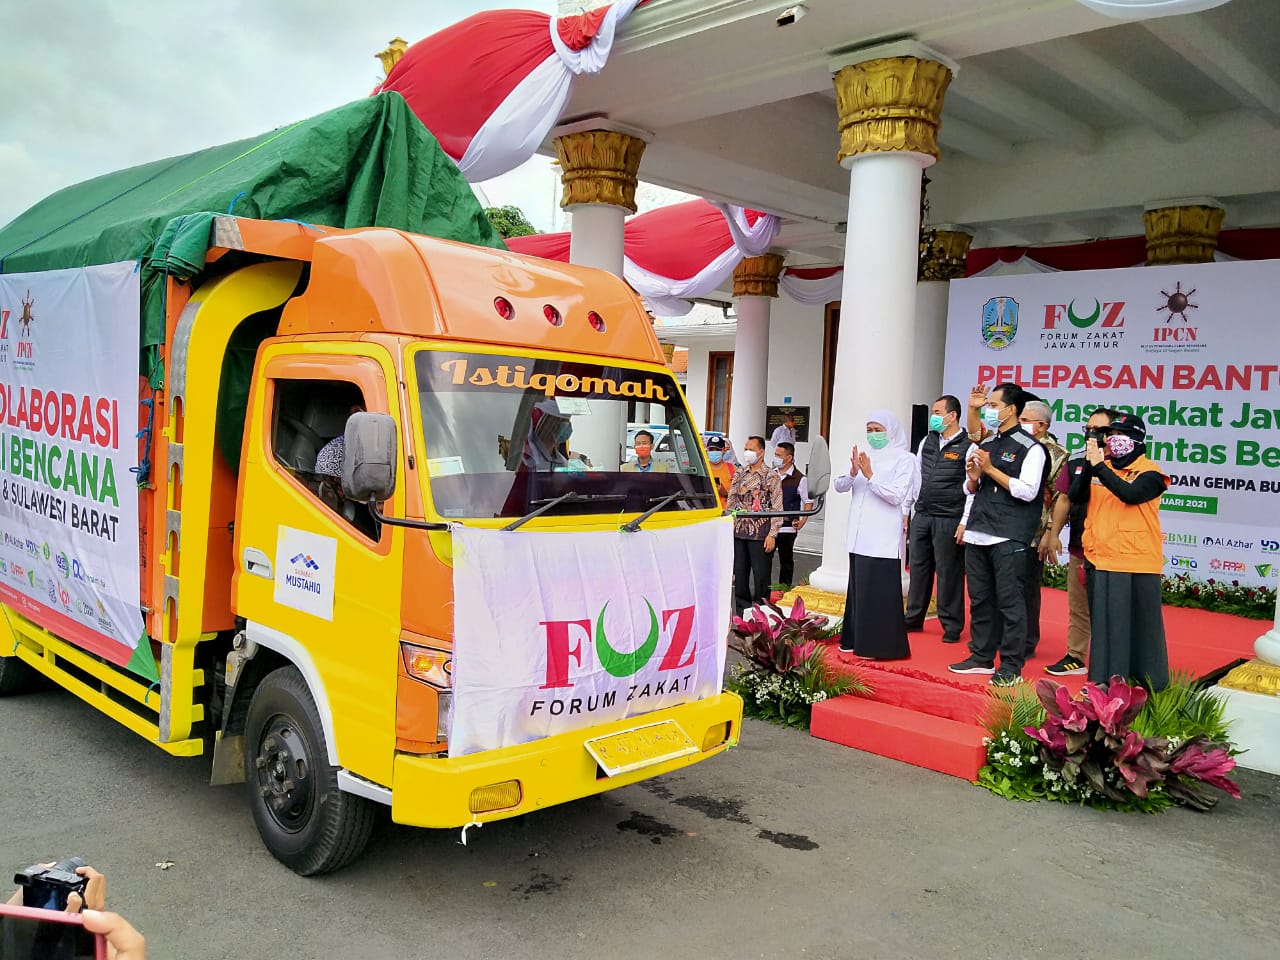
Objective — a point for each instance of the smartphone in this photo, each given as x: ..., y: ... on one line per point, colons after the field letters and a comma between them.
x: 27, y: 933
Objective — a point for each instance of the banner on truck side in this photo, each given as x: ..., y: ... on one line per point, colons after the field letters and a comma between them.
x: 554, y: 632
x: 1190, y: 349
x: 68, y: 425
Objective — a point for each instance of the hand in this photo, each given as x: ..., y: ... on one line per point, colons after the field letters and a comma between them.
x: 768, y: 544
x: 864, y: 465
x: 853, y: 462
x: 799, y: 524
x: 1048, y: 549
x: 95, y: 894
x: 123, y: 942
x: 960, y: 534
x: 973, y: 466
x: 978, y: 397
x: 1093, y: 452
x: 983, y: 460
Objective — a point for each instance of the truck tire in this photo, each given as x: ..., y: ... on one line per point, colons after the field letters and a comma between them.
x: 307, y: 823
x: 16, y: 677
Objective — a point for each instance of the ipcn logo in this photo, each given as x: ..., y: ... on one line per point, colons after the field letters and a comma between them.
x: 1184, y: 563
x: 1183, y: 334
x: 571, y: 641
x: 1227, y: 566
x: 1105, y: 313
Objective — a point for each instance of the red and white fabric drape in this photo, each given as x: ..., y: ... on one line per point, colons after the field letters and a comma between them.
x: 678, y: 253
x: 491, y: 87
x: 812, y: 285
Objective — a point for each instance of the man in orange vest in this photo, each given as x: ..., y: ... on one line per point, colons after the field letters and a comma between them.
x: 1123, y: 549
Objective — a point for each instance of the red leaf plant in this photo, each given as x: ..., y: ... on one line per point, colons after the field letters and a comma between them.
x: 776, y: 641
x: 1090, y: 738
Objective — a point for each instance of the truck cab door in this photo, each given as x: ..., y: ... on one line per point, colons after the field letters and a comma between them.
x: 317, y: 579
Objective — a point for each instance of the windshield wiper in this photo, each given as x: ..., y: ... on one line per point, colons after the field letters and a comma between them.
x: 662, y: 504
x: 571, y: 497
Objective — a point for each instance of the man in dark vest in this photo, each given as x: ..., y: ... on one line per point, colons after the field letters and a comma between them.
x: 795, y: 496
x: 934, y: 537
x: 1004, y: 475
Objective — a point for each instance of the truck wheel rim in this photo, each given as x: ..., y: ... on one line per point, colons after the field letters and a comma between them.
x: 284, y: 774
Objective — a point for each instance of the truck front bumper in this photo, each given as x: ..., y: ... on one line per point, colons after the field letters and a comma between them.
x: 445, y: 792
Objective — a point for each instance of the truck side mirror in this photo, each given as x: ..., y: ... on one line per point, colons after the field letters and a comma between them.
x: 369, y: 457
x: 819, y: 472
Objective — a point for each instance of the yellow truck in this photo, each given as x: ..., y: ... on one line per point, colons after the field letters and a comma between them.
x: 357, y: 525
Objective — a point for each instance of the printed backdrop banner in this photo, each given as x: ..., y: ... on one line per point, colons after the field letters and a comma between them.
x: 68, y: 425
x: 1190, y: 349
x: 558, y: 631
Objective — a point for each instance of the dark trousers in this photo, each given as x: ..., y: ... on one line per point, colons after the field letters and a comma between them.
x: 1035, y: 573
x: 751, y: 566
x: 997, y: 603
x: 932, y: 548
x: 786, y: 544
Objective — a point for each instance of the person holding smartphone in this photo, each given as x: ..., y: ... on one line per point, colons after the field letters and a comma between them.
x: 123, y: 941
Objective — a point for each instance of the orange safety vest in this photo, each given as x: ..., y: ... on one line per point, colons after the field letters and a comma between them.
x: 1124, y: 537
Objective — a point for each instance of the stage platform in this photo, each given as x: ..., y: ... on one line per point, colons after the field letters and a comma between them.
x: 923, y: 714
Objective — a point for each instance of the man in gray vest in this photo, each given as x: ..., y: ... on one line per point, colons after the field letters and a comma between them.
x: 1004, y: 475
x: 934, y: 535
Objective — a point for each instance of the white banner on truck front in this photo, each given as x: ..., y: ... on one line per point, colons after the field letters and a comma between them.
x: 1191, y: 349
x: 554, y: 632
x: 68, y: 425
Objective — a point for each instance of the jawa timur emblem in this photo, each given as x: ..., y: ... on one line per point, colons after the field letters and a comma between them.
x: 24, y: 321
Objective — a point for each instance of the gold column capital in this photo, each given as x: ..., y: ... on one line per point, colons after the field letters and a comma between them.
x: 599, y: 166
x: 391, y: 56
x: 1182, y: 234
x: 890, y: 104
x: 947, y: 257
x: 758, y: 276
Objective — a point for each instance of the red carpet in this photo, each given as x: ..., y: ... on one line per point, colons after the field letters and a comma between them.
x: 921, y: 713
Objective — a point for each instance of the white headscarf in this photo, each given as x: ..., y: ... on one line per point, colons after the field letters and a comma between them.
x: 898, y: 447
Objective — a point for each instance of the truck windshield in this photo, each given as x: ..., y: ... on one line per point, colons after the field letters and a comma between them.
x: 506, y: 433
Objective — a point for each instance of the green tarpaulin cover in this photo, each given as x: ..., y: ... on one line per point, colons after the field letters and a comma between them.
x: 369, y: 163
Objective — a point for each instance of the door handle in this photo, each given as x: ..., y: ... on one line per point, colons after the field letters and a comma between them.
x: 257, y: 563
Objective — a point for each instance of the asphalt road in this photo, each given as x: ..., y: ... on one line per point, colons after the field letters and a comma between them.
x: 785, y: 847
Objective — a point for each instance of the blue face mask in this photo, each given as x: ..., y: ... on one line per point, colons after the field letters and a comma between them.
x: 715, y: 456
x: 991, y: 417
x: 936, y: 423
x: 564, y: 433
x: 877, y: 440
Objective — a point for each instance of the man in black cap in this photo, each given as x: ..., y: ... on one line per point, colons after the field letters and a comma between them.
x: 721, y: 469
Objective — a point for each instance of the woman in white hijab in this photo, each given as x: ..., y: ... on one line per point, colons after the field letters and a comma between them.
x: 883, y: 477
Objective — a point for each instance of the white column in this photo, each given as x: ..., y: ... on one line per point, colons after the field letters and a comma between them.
x: 1267, y: 646
x: 750, y: 371
x: 930, y: 342
x: 595, y: 236
x: 874, y: 357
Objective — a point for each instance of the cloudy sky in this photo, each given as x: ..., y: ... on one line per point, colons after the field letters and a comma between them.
x: 91, y: 86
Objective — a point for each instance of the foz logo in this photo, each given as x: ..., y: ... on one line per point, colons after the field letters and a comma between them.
x: 565, y: 643
x: 1109, y: 312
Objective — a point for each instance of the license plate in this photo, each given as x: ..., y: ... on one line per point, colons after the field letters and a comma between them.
x: 639, y: 747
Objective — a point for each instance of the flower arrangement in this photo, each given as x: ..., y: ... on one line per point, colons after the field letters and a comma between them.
x: 1114, y: 746
x: 1180, y: 590
x: 786, y: 670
